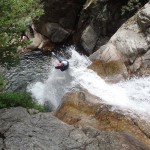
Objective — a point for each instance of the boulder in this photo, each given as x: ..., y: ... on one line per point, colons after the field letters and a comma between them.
x: 107, y: 62
x: 129, y: 46
x: 130, y: 41
x: 105, y: 17
x: 88, y: 39
x: 59, y: 19
x: 20, y: 130
x: 64, y: 12
x: 54, y: 32
x: 37, y: 41
x: 113, y: 141
x: 81, y: 109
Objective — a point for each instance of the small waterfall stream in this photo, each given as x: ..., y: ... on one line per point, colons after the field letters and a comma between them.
x: 132, y: 96
x: 49, y: 85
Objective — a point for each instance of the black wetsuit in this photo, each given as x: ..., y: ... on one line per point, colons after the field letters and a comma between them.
x: 64, y: 66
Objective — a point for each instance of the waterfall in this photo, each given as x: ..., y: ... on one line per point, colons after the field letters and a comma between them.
x: 132, y: 97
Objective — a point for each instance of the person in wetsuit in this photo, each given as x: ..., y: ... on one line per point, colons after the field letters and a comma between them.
x: 62, y: 64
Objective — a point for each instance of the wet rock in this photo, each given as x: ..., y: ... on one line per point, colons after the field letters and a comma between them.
x: 108, y: 63
x: 104, y: 17
x: 91, y: 111
x: 145, y: 127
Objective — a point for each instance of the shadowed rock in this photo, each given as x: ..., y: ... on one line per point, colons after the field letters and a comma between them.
x: 129, y: 46
x: 89, y: 39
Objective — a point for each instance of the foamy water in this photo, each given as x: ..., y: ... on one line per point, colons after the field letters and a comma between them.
x: 132, y: 96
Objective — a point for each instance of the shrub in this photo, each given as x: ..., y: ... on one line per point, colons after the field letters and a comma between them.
x: 14, y: 99
x: 15, y: 15
x: 2, y: 82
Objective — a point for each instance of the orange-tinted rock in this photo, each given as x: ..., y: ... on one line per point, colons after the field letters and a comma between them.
x: 107, y: 62
x: 82, y: 109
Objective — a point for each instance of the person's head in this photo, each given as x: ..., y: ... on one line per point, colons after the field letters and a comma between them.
x: 64, y: 63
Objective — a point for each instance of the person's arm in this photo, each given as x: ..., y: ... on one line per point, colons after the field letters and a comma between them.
x: 60, y: 60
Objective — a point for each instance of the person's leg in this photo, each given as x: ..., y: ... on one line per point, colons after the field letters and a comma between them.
x: 58, y: 67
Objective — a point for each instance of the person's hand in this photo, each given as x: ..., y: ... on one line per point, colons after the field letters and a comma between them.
x: 53, y: 53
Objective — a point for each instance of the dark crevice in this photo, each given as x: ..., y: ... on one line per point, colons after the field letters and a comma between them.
x: 2, y: 136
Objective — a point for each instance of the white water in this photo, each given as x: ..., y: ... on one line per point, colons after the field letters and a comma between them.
x: 132, y: 96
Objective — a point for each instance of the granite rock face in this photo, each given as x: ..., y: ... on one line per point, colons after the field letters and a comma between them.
x: 129, y: 46
x: 59, y: 19
x: 20, y: 130
x: 104, y: 17
x: 108, y: 63
x: 89, y: 39
x: 81, y: 109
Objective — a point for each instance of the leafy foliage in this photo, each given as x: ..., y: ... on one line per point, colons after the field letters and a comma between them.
x: 14, y: 99
x: 14, y: 17
x: 2, y: 82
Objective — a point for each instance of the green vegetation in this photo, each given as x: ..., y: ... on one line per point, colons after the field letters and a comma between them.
x: 14, y: 99
x: 2, y: 82
x: 15, y: 15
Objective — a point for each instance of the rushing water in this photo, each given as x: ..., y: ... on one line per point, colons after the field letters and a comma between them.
x: 132, y: 96
x: 33, y: 67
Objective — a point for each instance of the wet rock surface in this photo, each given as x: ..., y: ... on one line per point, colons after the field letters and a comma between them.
x: 83, y: 109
